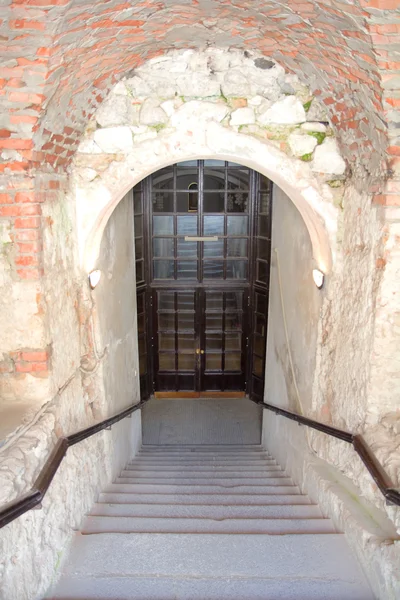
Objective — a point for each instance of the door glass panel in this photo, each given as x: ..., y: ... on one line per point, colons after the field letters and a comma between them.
x: 187, y: 225
x: 233, y: 362
x: 185, y: 176
x: 213, y: 269
x: 166, y: 321
x: 141, y: 324
x: 260, y: 325
x: 263, y: 205
x: 166, y: 361
x: 138, y: 226
x: 164, y: 178
x: 139, y: 271
x: 257, y: 366
x: 214, y: 179
x: 262, y: 271
x: 163, y: 247
x: 140, y: 303
x: 213, y: 202
x: 186, y: 343
x: 261, y: 304
x: 139, y: 248
x: 186, y: 249
x: 185, y: 301
x: 234, y: 300
x: 186, y: 269
x: 163, y: 225
x: 166, y: 341
x: 214, y: 342
x: 186, y: 362
x: 236, y: 269
x: 187, y: 201
x: 238, y: 179
x: 163, y: 269
x: 142, y: 345
x: 213, y: 362
x: 213, y: 249
x: 143, y: 364
x: 213, y: 225
x: 214, y: 300
x: 263, y: 249
x: 185, y: 321
x: 237, y: 225
x: 236, y: 247
x: 233, y: 321
x: 259, y: 345
x: 137, y: 202
x: 237, y: 203
x: 263, y: 226
x: 163, y: 202
x: 166, y: 300
x: 233, y: 341
x: 213, y: 321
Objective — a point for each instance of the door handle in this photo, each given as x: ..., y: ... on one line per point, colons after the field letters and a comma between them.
x: 198, y: 351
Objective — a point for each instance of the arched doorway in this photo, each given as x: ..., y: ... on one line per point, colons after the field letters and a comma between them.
x: 202, y: 240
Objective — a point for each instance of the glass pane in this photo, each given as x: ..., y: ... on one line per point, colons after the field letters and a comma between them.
x: 261, y: 304
x: 166, y: 321
x: 233, y: 362
x: 186, y: 343
x: 237, y: 225
x: 260, y: 325
x: 213, y: 249
x: 214, y: 300
x: 166, y: 362
x: 138, y: 225
x: 213, y: 362
x: 237, y: 203
x: 188, y: 163
x: 236, y: 269
x: 263, y: 205
x: 213, y: 202
x: 163, y: 202
x: 163, y: 269
x: 211, y: 162
x: 263, y: 250
x: 213, y: 321
x: 214, y: 179
x: 237, y: 247
x: 166, y: 341
x: 140, y: 303
x: 213, y: 225
x: 142, y: 345
x: 186, y: 177
x: 163, y: 179
x: 166, y: 301
x: 259, y: 345
x: 214, y: 342
x: 163, y: 247
x: 187, y: 269
x: 233, y: 341
x: 137, y: 202
x: 262, y: 271
x: 233, y: 321
x: 238, y: 179
x: 186, y: 248
x: 185, y: 301
x: 163, y: 225
x: 185, y: 321
x: 186, y: 362
x: 234, y: 300
x: 139, y: 248
x: 264, y: 183
x: 139, y: 271
x: 213, y: 269
x: 143, y: 364
x: 141, y: 324
x: 263, y: 226
x: 187, y: 225
x: 187, y: 201
x: 257, y: 366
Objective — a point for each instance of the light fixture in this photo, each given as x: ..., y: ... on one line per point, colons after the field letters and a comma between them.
x: 94, y: 278
x: 318, y: 277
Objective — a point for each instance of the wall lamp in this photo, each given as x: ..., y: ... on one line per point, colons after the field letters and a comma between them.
x: 318, y: 277
x: 94, y: 278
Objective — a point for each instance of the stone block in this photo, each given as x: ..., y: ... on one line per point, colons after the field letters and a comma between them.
x: 287, y: 111
x: 193, y: 114
x: 114, y: 139
x: 243, y: 116
x: 301, y: 144
x: 314, y: 127
x: 113, y: 111
x: 151, y: 113
x: 327, y: 158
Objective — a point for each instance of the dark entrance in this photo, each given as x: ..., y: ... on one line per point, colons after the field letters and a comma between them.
x: 202, y: 238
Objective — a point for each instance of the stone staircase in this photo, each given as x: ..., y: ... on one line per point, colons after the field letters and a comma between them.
x: 207, y: 523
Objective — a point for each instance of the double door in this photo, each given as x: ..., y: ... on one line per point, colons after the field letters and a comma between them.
x: 202, y: 339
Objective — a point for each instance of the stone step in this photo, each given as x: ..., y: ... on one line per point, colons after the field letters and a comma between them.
x: 195, y: 460
x: 217, y: 512
x: 200, y: 468
x: 217, y: 447
x: 205, y: 453
x: 146, y: 488
x: 210, y: 567
x: 270, y: 499
x: 106, y: 524
x: 216, y: 479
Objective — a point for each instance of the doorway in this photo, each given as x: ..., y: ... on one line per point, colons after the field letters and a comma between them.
x: 202, y: 239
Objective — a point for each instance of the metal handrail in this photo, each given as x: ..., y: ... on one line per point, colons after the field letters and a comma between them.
x: 34, y: 497
x: 372, y: 464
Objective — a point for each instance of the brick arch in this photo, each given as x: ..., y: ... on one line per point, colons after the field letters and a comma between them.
x: 87, y: 47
